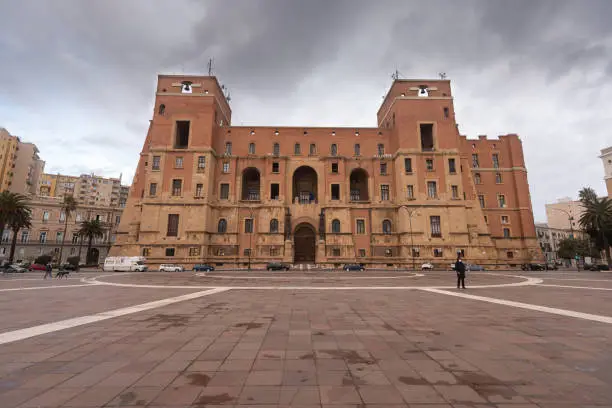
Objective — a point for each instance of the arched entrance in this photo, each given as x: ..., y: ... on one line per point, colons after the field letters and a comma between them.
x: 304, y: 244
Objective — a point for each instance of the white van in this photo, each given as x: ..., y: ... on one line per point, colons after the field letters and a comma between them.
x: 171, y: 268
x: 125, y: 264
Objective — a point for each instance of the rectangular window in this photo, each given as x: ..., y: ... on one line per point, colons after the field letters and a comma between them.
x: 6, y: 236
x: 247, y: 252
x: 452, y: 168
x: 276, y: 149
x: 416, y: 252
x: 251, y: 148
x: 438, y: 252
x: 334, y: 149
x: 475, y: 161
x: 313, y: 149
x: 383, y: 169
x: 169, y: 251
x: 410, y: 191
x: 357, y: 149
x: 384, y: 192
x: 274, y: 251
x: 445, y: 110
x: 502, y: 201
x: 432, y: 191
x: 153, y: 189
x: 43, y: 237
x: 198, y: 190
x: 194, y: 251
x: 427, y: 139
x: 495, y: 160
x: 335, y: 251
x: 481, y: 200
x: 173, y: 224
x: 504, y: 219
x: 181, y: 140
x: 274, y: 191
x: 429, y: 164
x: 275, y: 167
x: 59, y: 236
x: 226, y: 167
x: 434, y: 221
x: 408, y: 165
x: 297, y: 149
x: 506, y: 232
x: 486, y: 219
x: 362, y: 253
x: 335, y: 191
x: 224, y: 193
x: 177, y: 187
x: 178, y: 163
x: 146, y: 251
x: 381, y: 149
x: 117, y: 219
x: 228, y: 148
x: 455, y: 191
x: 75, y: 238
x: 45, y: 216
x: 62, y: 216
x: 155, y: 165
x: 461, y: 252
x: 361, y: 226
x: 498, y: 178
x: 334, y: 167
x: 201, y: 162
x: 248, y: 225
x: 25, y: 235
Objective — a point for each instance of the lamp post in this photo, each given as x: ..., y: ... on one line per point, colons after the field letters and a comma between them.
x: 251, y: 235
x: 411, y: 212
x: 570, y: 218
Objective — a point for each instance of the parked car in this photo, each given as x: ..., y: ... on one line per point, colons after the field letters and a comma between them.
x: 597, y: 267
x: 14, y: 268
x: 427, y: 266
x: 353, y: 267
x: 277, y: 266
x: 474, y: 267
x: 171, y: 268
x: 551, y: 266
x: 203, y: 268
x: 37, y: 267
x: 532, y: 267
x: 69, y: 267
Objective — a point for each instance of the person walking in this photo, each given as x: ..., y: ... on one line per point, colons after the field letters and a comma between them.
x: 460, y: 269
x: 48, y: 271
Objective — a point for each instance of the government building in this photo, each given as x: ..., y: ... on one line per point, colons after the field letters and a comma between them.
x: 408, y: 191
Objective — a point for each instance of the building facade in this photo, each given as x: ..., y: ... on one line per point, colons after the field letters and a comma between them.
x: 550, y: 238
x: 410, y: 190
x: 87, y: 189
x: 564, y: 214
x: 47, y: 232
x: 606, y: 158
x: 20, y: 165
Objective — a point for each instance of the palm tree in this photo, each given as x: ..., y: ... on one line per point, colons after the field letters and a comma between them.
x: 68, y: 207
x: 596, y: 219
x: 20, y: 218
x: 91, y: 229
x: 9, y: 204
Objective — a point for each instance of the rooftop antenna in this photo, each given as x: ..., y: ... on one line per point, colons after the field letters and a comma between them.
x: 395, y: 75
x: 210, y: 65
x: 442, y: 75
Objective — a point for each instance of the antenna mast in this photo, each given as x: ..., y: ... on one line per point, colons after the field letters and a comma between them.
x: 210, y: 65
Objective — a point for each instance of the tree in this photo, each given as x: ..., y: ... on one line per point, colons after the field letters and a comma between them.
x: 68, y: 207
x: 91, y: 229
x: 9, y: 204
x: 20, y: 218
x: 596, y: 219
x: 570, y: 247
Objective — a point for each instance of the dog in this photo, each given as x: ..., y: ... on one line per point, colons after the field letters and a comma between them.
x: 61, y: 274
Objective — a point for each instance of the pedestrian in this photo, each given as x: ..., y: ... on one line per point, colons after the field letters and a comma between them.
x: 48, y: 271
x: 460, y: 269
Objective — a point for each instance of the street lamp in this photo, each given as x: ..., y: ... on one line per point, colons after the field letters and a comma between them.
x: 411, y: 212
x: 251, y: 212
x: 571, y: 223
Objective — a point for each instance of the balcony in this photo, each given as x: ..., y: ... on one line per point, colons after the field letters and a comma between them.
x: 251, y: 196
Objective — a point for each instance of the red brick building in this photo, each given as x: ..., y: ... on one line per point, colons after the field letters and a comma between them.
x: 410, y: 189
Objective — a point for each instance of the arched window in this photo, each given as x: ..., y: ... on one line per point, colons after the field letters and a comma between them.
x: 336, y: 226
x: 276, y: 149
x: 334, y: 149
x: 162, y: 109
x: 386, y: 225
x: 274, y: 225
x: 477, y: 178
x: 222, y: 227
x: 381, y: 149
x: 251, y: 148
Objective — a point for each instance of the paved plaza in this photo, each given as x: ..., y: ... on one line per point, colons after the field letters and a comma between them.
x: 296, y: 339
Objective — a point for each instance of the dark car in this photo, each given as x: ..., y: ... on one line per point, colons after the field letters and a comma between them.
x: 203, y: 268
x: 551, y: 266
x: 532, y: 267
x: 277, y: 266
x: 474, y: 267
x: 69, y: 267
x: 353, y: 267
x: 597, y: 267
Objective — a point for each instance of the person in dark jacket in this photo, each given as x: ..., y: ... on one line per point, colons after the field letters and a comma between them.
x: 460, y: 269
x: 48, y: 271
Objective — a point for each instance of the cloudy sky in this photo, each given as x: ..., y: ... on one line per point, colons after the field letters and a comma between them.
x: 77, y: 77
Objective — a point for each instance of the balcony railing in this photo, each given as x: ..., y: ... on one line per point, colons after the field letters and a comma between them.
x: 251, y: 196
